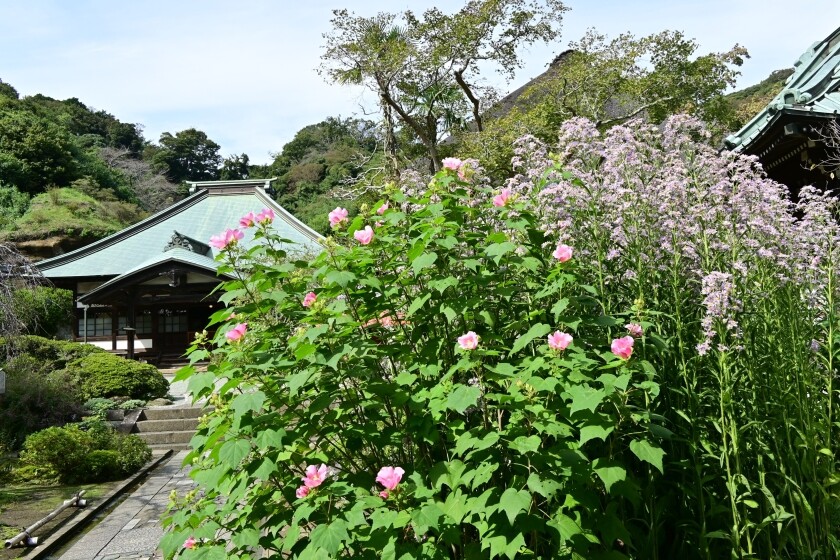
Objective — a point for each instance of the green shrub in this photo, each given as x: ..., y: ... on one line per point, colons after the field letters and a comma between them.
x: 35, y: 399
x: 102, y: 465
x: 51, y: 355
x: 60, y: 451
x: 133, y: 453
x: 99, y: 406
x: 436, y: 346
x: 107, y: 375
x: 45, y: 311
x: 90, y: 452
x: 32, y: 474
x: 132, y: 404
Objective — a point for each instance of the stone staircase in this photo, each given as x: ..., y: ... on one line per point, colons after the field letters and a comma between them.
x: 168, y: 427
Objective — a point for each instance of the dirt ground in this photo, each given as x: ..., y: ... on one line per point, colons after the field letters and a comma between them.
x: 23, y: 505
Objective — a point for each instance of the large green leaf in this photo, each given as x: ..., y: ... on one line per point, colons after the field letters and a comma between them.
x: 330, y: 536
x: 585, y: 397
x: 566, y: 526
x: 417, y: 304
x: 423, y: 261
x: 513, y: 502
x: 645, y: 451
x: 609, y: 472
x: 540, y: 329
x: 247, y: 402
x: 233, y: 451
x: 462, y: 398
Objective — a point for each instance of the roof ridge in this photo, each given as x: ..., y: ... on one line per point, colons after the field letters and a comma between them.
x: 129, y: 231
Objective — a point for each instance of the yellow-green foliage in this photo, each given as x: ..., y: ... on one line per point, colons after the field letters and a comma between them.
x: 106, y: 375
x: 68, y: 211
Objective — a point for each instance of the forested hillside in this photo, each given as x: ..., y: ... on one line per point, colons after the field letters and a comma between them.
x: 70, y: 174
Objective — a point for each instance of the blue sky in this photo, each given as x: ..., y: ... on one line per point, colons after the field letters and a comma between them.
x: 244, y: 71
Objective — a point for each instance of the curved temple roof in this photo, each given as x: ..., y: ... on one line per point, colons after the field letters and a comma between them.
x: 813, y: 89
x: 213, y: 207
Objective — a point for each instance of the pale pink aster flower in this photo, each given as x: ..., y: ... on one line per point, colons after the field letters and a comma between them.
x: 337, y: 216
x: 248, y: 220
x: 265, y: 217
x: 315, y: 476
x: 389, y: 477
x: 635, y: 330
x: 622, y: 347
x: 309, y: 299
x: 237, y: 332
x: 559, y: 340
x: 302, y: 492
x: 364, y: 236
x: 562, y: 253
x: 502, y: 198
x: 190, y: 543
x: 381, y: 210
x: 468, y: 341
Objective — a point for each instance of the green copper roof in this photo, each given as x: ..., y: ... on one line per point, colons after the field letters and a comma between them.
x: 214, y: 207
x: 813, y: 89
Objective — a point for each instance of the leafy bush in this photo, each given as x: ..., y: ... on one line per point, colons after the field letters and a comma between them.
x: 101, y: 465
x: 73, y: 454
x: 35, y: 399
x: 60, y: 450
x: 107, y: 375
x: 52, y: 355
x: 132, y: 404
x: 99, y: 406
x: 13, y: 204
x: 45, y: 311
x: 133, y: 453
x: 428, y: 393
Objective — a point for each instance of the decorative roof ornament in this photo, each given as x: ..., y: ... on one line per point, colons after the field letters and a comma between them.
x: 181, y: 241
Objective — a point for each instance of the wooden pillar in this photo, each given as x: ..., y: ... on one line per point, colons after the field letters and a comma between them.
x: 130, y: 326
x: 115, y: 323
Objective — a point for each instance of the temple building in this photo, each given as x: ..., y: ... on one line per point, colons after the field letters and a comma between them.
x: 789, y: 134
x: 146, y: 290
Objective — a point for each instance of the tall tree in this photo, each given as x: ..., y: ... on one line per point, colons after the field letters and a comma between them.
x: 34, y: 152
x: 235, y: 167
x: 610, y: 81
x: 189, y: 155
x: 427, y: 69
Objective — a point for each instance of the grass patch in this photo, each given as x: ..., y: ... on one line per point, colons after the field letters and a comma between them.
x: 68, y: 211
x: 24, y: 504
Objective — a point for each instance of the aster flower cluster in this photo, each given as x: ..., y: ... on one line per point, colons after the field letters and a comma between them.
x: 643, y: 201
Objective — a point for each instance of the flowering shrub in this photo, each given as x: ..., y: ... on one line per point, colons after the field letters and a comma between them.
x: 742, y: 285
x: 441, y: 388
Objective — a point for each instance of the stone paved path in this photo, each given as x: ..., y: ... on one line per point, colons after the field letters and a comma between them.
x: 133, y: 529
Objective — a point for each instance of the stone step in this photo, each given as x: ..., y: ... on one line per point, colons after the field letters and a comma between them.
x: 171, y: 413
x: 162, y: 447
x: 167, y: 438
x: 173, y: 425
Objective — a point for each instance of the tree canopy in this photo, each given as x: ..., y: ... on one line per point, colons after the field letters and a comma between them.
x: 188, y: 155
x: 610, y: 81
x: 426, y: 69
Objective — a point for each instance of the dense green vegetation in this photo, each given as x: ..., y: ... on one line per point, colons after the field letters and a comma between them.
x: 72, y: 454
x: 49, y: 381
x: 629, y: 350
x: 426, y: 74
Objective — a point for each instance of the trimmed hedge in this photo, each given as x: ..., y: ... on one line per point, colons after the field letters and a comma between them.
x: 74, y: 454
x: 106, y: 375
